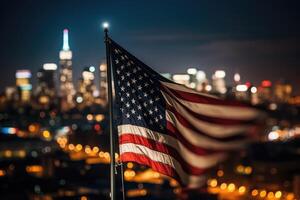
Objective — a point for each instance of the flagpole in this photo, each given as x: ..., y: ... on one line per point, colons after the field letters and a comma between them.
x: 110, y: 105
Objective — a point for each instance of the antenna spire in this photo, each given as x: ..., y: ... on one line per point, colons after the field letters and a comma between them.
x: 66, y: 46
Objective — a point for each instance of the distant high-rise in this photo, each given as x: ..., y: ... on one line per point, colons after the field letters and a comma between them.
x: 67, y: 91
x: 218, y: 82
x: 23, y: 85
x: 86, y: 87
x: 45, y: 90
x: 103, y: 83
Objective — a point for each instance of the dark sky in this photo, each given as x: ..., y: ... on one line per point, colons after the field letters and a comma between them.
x: 259, y: 39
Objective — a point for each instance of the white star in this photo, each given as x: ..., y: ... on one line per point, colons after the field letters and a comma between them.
x: 157, y: 99
x: 133, y: 81
x: 122, y: 109
x: 138, y: 68
x: 156, y: 119
x: 133, y: 111
x: 139, y: 87
x: 134, y: 70
x: 117, y: 61
x: 151, y: 91
x: 139, y: 117
x: 139, y: 97
x: 117, y: 51
x: 128, y: 74
x: 145, y: 94
x: 122, y: 57
x: 133, y: 101
x: 126, y: 56
x: 146, y: 75
x: 133, y: 91
x: 131, y: 62
x: 150, y: 121
x: 122, y: 99
x: 155, y: 109
x: 127, y: 105
x: 139, y: 107
x: 122, y: 67
x: 118, y: 71
x: 127, y: 115
x: 140, y: 77
x: 151, y: 101
x: 145, y: 104
x: 128, y: 64
x: 127, y: 94
x: 146, y: 84
x: 128, y: 84
x: 122, y: 88
x: 160, y: 117
x: 122, y: 78
x: 150, y: 112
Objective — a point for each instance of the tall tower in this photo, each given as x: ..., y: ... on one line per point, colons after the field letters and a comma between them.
x: 67, y: 91
x: 45, y: 90
x: 23, y: 85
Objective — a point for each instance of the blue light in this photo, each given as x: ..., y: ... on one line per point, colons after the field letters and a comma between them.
x: 92, y: 69
x: 66, y: 40
x: 9, y: 130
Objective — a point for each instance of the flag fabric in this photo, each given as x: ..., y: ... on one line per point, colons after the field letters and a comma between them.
x: 172, y: 129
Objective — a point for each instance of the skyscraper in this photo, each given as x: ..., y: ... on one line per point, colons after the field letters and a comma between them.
x: 66, y: 84
x: 45, y: 90
x: 218, y: 82
x: 23, y: 85
x: 86, y: 87
x: 103, y: 83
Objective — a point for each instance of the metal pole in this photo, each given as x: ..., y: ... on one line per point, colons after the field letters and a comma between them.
x: 110, y: 104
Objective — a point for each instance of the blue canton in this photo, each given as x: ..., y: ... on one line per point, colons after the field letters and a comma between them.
x: 137, y: 89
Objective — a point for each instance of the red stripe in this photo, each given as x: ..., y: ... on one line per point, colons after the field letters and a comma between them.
x: 198, y: 98
x: 188, y: 125
x: 172, y: 131
x: 163, y: 148
x: 156, y: 166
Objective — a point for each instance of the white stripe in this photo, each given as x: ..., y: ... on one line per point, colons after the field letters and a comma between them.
x: 186, y: 89
x: 227, y: 112
x: 163, y: 158
x: 212, y: 129
x: 203, y: 162
x: 202, y: 141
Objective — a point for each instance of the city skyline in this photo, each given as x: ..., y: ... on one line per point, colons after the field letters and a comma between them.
x: 264, y: 38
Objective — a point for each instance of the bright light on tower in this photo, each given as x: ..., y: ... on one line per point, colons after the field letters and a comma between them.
x: 237, y: 77
x: 49, y: 66
x: 192, y: 71
x: 92, y: 69
x: 105, y: 25
x: 66, y: 40
x: 220, y: 74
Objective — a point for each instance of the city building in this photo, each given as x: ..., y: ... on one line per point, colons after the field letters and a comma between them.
x: 45, y: 90
x: 264, y: 91
x: 218, y: 82
x: 86, y: 88
x: 103, y: 83
x: 282, y: 92
x: 67, y: 90
x: 23, y: 85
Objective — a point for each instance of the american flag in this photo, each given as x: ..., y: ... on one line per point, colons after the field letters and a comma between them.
x: 174, y: 130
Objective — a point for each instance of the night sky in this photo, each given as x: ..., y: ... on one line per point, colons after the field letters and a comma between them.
x: 259, y: 39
